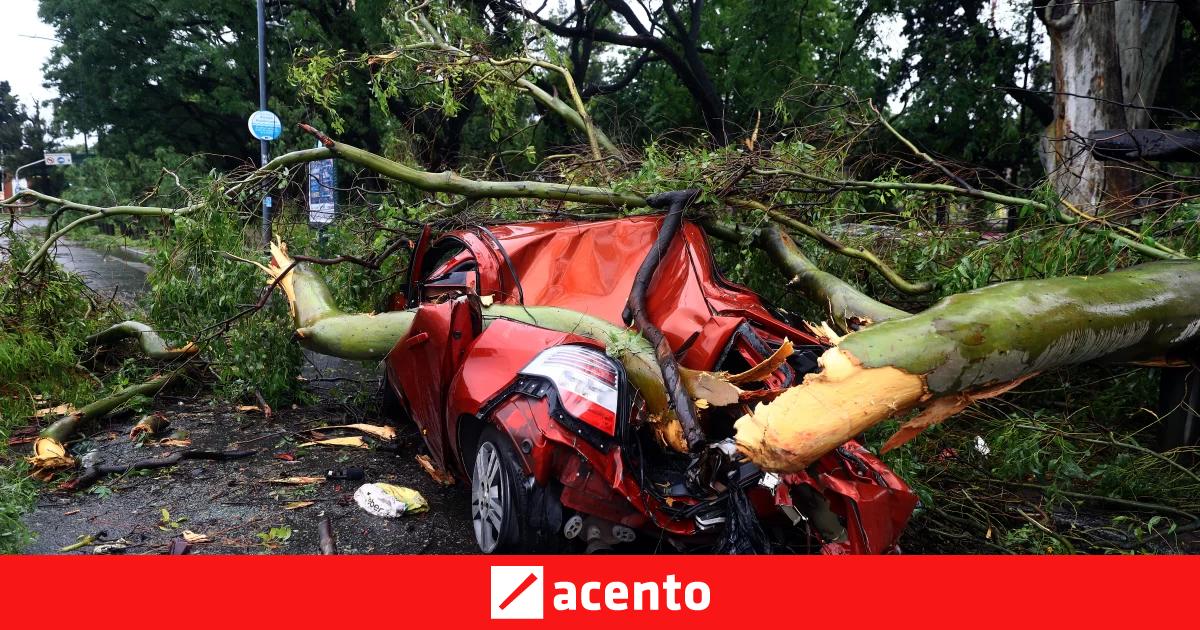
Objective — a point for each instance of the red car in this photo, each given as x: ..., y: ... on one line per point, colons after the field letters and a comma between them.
x: 551, y: 436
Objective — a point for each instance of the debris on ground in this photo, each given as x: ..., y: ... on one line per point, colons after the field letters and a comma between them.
x: 389, y: 501
x: 297, y: 481
x: 94, y: 472
x: 325, y: 533
x: 441, y: 476
x: 354, y: 441
x: 82, y: 541
x: 193, y: 538
x: 345, y: 474
x: 231, y: 502
x: 381, y: 432
x: 149, y: 425
x: 115, y: 547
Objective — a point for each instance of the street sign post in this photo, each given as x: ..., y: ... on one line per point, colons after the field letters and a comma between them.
x: 265, y: 126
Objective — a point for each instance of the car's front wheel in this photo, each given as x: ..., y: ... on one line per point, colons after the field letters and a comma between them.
x: 500, y: 492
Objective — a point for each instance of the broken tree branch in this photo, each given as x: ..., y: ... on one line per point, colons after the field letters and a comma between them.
x: 835, y: 246
x: 452, y: 183
x: 96, y: 472
x: 95, y: 213
x: 323, y: 327
x: 1143, y: 244
x: 48, y: 450
x: 151, y: 344
x: 635, y: 312
x: 973, y: 342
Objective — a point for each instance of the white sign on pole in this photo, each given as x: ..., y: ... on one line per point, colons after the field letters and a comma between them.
x: 58, y: 159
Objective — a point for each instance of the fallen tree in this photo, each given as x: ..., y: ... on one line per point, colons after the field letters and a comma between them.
x: 966, y: 347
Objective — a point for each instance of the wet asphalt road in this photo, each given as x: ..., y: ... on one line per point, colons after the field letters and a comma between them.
x: 108, y: 273
x: 235, y: 504
x: 232, y: 502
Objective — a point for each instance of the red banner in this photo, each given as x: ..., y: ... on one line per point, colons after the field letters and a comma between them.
x: 667, y: 592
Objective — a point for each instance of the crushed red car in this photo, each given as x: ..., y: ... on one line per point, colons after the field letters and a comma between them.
x: 552, y: 438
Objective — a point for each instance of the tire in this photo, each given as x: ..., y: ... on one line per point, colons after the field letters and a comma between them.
x: 500, y: 497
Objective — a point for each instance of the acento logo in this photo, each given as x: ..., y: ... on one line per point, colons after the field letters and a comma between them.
x: 517, y: 592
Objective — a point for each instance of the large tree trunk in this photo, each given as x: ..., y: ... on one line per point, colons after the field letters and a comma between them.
x: 974, y: 345
x: 966, y: 347
x: 1107, y: 60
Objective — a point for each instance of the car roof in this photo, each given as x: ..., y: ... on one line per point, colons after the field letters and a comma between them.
x: 589, y: 266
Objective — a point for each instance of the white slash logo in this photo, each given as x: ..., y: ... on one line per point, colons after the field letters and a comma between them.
x: 517, y: 592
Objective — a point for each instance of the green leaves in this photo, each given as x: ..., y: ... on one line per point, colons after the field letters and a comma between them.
x: 274, y: 537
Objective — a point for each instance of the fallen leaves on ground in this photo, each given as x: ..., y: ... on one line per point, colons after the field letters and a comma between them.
x: 297, y: 481
x: 354, y: 441
x: 192, y: 537
x: 381, y: 432
x: 296, y: 505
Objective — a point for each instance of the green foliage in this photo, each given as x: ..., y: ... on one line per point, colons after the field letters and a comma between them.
x: 145, y: 180
x: 43, y: 323
x: 274, y: 537
x: 194, y: 288
x: 182, y: 73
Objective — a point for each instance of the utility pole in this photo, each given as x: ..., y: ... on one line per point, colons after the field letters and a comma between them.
x: 262, y: 106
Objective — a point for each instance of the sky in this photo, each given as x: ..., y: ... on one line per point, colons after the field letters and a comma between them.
x: 22, y: 53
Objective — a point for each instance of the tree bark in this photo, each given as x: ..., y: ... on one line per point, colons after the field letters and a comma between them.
x: 1107, y: 60
x: 149, y: 341
x: 974, y: 345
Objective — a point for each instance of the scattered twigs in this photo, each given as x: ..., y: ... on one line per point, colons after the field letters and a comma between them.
x: 1150, y: 247
x: 95, y: 213
x: 373, y: 262
x: 328, y: 541
x: 452, y: 183
x: 1120, y: 228
x: 636, y: 312
x: 835, y: 246
x: 1114, y: 442
x: 848, y: 308
x: 576, y: 116
x: 1192, y: 521
x: 96, y: 472
x: 919, y: 153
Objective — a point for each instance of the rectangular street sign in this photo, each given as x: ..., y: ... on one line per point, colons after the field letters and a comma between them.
x: 322, y: 195
x: 58, y: 159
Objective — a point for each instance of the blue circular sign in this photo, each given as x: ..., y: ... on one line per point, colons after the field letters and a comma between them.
x: 264, y: 125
